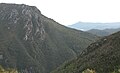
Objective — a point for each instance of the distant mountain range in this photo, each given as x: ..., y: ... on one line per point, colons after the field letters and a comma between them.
x: 100, y: 26
x: 104, y: 32
x: 102, y: 56
x: 32, y: 43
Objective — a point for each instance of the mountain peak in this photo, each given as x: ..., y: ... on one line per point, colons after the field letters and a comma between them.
x: 90, y: 25
x: 29, y: 15
x: 33, y: 43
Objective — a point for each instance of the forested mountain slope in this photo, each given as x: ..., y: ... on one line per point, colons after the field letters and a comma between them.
x: 102, y: 56
x: 33, y: 43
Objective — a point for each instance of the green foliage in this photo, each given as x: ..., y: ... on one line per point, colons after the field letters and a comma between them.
x: 8, y: 70
x: 103, y: 56
x: 42, y: 52
x: 116, y: 69
x: 89, y: 71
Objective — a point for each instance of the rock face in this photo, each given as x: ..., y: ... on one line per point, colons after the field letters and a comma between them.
x: 33, y: 43
x: 23, y: 16
x: 102, y: 56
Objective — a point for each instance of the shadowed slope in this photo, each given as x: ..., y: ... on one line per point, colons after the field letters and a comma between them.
x: 33, y: 43
x: 102, y: 56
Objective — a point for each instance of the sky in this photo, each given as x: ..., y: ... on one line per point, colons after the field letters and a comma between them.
x: 68, y: 12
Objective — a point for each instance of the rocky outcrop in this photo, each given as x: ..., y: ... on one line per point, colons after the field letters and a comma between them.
x: 33, y: 43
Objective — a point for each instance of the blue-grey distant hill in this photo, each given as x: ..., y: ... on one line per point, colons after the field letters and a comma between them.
x: 89, y: 25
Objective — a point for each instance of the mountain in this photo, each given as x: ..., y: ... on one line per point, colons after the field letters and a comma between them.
x: 88, y: 26
x: 32, y: 43
x: 104, y: 32
x: 102, y: 56
x: 99, y: 32
x: 111, y: 31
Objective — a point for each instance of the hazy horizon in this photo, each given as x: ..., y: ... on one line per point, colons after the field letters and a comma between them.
x: 68, y: 12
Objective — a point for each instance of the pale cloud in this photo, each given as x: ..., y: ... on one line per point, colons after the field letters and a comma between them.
x: 71, y: 11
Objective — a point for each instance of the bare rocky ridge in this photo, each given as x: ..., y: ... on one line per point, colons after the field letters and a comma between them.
x: 26, y: 14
